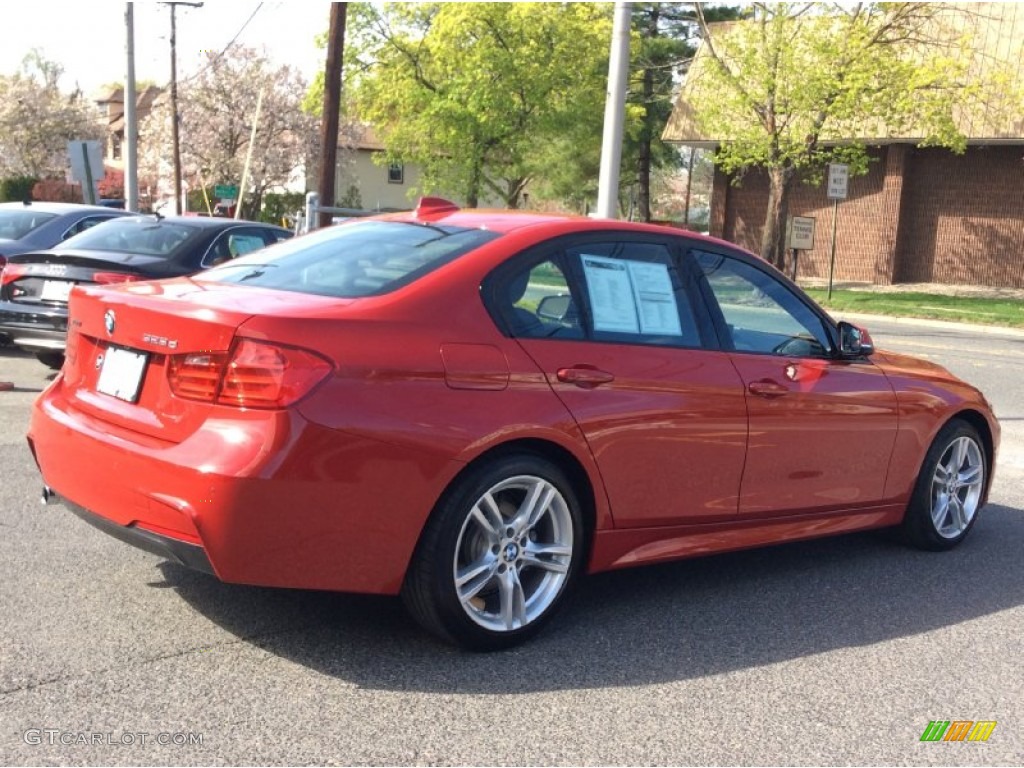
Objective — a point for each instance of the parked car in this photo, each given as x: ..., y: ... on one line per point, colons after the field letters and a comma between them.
x: 29, y: 226
x: 33, y: 226
x: 472, y: 409
x: 34, y: 287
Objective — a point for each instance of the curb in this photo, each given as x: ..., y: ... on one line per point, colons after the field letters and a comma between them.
x: 944, y: 325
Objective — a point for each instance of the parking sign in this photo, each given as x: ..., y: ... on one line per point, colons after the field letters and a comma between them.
x: 838, y: 178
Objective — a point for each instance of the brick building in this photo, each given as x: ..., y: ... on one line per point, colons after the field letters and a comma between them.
x: 920, y: 214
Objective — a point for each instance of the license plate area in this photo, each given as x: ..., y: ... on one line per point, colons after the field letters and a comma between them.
x: 121, y: 373
x: 56, y: 290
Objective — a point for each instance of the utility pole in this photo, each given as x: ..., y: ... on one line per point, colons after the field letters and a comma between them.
x: 248, y: 157
x: 614, y: 113
x: 131, y: 122
x: 332, y: 108
x: 175, y: 139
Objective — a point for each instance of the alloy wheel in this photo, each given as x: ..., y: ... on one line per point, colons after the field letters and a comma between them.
x: 514, y: 553
x: 957, y: 487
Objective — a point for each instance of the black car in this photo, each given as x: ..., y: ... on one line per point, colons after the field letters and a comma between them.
x: 34, y: 287
x: 30, y: 226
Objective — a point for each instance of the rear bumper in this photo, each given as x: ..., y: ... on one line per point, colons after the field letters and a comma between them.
x: 268, y: 499
x: 31, y: 327
x: 181, y: 552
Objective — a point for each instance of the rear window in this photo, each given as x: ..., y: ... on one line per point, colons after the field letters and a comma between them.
x: 14, y: 225
x: 352, y: 260
x: 147, y: 237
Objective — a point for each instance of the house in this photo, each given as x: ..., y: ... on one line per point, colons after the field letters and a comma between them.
x: 920, y: 214
x: 361, y: 182
x: 111, y: 104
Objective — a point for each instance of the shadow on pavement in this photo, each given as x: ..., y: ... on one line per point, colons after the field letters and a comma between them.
x: 649, y: 625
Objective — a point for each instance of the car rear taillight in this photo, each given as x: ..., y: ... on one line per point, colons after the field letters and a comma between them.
x: 111, y: 278
x: 196, y: 376
x: 11, y: 272
x: 255, y: 374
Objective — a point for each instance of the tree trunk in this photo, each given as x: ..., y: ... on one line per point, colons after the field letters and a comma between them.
x: 473, y: 188
x: 689, y: 187
x: 643, y: 162
x: 773, y: 239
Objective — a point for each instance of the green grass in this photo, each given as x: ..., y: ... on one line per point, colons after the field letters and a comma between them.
x: 963, y: 309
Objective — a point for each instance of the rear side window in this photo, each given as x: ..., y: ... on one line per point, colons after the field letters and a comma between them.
x: 360, y: 259
x: 129, y: 234
x: 625, y: 292
x: 14, y: 225
x: 83, y: 224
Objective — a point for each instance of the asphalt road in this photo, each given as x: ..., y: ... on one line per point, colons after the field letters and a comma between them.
x: 830, y: 652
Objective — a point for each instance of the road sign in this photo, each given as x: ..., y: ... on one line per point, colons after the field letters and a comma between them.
x: 222, y: 191
x: 801, y: 233
x: 86, y: 159
x: 838, y: 178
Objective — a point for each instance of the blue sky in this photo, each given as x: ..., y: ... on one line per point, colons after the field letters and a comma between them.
x: 88, y: 37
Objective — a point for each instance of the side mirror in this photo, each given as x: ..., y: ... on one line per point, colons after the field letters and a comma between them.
x: 854, y: 341
x: 554, y: 308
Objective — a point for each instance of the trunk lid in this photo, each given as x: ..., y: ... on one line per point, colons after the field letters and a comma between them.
x: 121, y: 340
x: 46, y: 278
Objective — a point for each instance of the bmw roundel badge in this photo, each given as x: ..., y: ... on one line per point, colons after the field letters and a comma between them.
x: 109, y: 321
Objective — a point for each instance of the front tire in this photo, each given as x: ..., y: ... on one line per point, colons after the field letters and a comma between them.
x: 949, y: 490
x: 498, y: 554
x: 54, y: 360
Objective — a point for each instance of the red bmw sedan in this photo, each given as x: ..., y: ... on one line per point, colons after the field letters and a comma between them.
x: 472, y: 409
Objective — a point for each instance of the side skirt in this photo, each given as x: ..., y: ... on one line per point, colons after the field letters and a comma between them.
x: 639, y: 546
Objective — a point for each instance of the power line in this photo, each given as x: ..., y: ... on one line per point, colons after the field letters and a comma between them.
x: 231, y: 42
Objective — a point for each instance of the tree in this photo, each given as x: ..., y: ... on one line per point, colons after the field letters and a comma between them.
x: 217, y: 108
x: 483, y: 96
x: 776, y: 87
x: 37, y: 120
x: 664, y: 43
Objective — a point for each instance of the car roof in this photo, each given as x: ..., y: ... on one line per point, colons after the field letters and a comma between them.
x: 507, y: 221
x: 212, y: 222
x: 57, y: 208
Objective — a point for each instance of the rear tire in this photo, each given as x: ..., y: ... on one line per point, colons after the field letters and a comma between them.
x: 54, y: 360
x: 949, y: 490
x: 498, y: 555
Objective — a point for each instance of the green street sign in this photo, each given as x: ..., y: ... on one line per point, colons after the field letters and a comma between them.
x: 224, y: 191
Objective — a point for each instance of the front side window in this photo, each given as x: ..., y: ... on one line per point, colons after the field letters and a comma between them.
x: 364, y: 258
x: 761, y: 314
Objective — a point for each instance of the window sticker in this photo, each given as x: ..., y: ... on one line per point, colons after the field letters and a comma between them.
x: 611, y: 295
x: 631, y: 296
x: 239, y: 245
x: 655, y: 298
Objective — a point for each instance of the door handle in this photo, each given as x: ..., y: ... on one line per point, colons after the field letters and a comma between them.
x: 584, y: 376
x: 766, y: 388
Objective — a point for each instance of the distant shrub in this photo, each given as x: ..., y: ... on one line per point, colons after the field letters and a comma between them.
x: 17, y: 189
x: 112, y: 184
x: 276, y: 206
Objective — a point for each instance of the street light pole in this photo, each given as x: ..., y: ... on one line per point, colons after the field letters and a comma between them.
x: 131, y: 122
x: 175, y: 139
x: 614, y: 113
